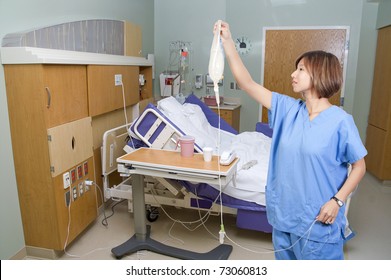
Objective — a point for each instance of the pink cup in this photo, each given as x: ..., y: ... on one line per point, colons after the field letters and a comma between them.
x: 186, y: 143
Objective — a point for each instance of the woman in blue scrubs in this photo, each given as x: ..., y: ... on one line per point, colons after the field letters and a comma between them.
x: 313, y: 144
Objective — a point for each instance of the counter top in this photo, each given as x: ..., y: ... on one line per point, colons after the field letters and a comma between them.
x: 226, y: 106
x: 229, y: 103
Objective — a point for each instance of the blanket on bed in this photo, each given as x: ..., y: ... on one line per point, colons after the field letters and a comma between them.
x: 249, y: 146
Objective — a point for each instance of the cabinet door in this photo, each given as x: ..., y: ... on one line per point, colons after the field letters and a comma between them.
x: 232, y: 117
x: 80, y: 210
x: 380, y: 111
x: 69, y: 144
x: 103, y: 95
x: 146, y: 90
x: 225, y: 114
x: 65, y: 87
x: 378, y: 160
x: 132, y: 39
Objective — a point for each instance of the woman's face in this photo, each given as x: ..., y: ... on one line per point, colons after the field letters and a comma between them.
x: 301, y: 79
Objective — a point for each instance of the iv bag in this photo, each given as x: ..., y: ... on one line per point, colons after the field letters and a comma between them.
x: 216, y: 61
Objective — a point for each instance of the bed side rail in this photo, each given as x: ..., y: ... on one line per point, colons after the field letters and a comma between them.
x: 112, y: 148
x: 166, y: 138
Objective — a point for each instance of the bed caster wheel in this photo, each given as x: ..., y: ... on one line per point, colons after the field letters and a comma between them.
x: 152, y: 214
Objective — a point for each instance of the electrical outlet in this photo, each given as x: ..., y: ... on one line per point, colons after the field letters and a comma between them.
x: 66, y: 180
x: 74, y: 193
x: 86, y: 186
x: 81, y: 188
x: 67, y: 198
x: 118, y: 79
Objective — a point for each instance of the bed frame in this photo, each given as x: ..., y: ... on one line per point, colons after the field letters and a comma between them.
x: 158, y: 191
x: 162, y: 191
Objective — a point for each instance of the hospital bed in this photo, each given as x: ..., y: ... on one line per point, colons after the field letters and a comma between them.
x: 159, y: 128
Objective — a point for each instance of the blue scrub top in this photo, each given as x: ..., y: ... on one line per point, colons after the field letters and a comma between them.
x: 308, y: 165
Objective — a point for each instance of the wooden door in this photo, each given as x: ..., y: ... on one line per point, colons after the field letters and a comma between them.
x: 378, y: 142
x: 380, y: 110
x: 65, y: 87
x: 69, y: 144
x: 103, y: 95
x: 282, y: 47
x: 132, y: 39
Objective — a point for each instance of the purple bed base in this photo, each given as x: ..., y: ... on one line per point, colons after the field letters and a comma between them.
x: 249, y: 215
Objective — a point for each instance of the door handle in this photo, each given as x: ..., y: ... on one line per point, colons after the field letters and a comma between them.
x: 49, y: 97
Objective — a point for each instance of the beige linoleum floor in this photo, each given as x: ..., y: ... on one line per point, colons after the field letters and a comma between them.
x: 369, y: 215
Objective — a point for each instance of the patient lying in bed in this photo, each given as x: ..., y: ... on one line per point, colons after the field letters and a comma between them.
x: 250, y: 147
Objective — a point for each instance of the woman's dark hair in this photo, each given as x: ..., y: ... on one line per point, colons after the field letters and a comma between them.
x: 325, y: 71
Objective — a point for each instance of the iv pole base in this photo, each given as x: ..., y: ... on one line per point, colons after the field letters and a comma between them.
x: 134, y: 244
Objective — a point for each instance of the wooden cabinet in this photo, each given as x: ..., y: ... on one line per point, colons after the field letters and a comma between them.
x: 51, y: 136
x: 132, y: 39
x: 104, y: 95
x: 65, y: 88
x: 60, y: 103
x: 82, y: 201
x: 231, y: 114
x: 378, y: 140
x: 146, y: 90
x: 59, y: 91
x: 69, y: 144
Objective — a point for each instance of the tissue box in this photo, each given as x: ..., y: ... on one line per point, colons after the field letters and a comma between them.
x: 210, y: 100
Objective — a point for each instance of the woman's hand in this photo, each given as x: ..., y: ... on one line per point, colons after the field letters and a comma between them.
x: 225, y: 33
x: 328, y: 212
x: 239, y: 71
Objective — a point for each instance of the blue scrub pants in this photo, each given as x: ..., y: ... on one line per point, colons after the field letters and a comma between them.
x: 289, y: 246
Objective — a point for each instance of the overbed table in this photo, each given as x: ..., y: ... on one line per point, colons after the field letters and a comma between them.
x: 168, y: 164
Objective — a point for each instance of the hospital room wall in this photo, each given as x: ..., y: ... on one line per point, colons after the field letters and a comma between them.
x: 176, y: 21
x: 22, y: 15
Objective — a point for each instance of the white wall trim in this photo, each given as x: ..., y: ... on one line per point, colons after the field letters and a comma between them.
x: 31, y: 55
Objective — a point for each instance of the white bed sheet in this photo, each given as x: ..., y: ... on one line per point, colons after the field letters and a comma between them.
x: 250, y: 184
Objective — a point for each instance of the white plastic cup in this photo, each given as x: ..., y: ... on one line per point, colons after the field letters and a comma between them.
x: 208, y: 152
